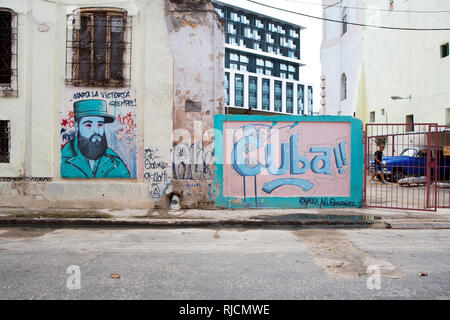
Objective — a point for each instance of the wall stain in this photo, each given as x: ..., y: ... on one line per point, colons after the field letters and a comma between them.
x: 332, y: 251
x: 25, y: 232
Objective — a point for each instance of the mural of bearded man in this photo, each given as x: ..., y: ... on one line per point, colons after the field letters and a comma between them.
x: 88, y: 155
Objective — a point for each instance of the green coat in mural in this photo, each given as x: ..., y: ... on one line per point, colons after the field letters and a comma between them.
x: 75, y: 165
x: 88, y: 154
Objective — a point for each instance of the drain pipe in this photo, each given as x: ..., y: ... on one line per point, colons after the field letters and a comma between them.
x: 175, y: 203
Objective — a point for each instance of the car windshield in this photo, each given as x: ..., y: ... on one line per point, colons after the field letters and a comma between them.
x: 409, y: 152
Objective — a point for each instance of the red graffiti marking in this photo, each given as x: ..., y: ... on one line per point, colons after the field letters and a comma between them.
x: 69, y: 121
x: 128, y: 125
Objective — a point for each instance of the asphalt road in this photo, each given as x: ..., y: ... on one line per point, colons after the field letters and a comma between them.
x: 224, y: 264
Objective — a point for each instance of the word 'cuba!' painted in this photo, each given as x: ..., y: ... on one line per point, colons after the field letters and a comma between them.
x: 278, y: 162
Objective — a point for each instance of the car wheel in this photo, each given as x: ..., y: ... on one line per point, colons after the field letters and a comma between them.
x: 397, y: 174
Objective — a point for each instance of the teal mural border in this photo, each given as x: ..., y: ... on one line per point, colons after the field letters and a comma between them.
x: 356, y: 179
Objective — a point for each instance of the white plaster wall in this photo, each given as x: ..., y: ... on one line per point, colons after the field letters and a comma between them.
x: 396, y: 63
x: 403, y: 63
x: 14, y: 108
x: 35, y: 113
x: 340, y: 53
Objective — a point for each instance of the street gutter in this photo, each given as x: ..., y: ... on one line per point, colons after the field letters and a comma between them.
x: 180, y: 223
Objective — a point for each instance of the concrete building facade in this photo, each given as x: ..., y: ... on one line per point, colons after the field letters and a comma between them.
x: 410, y: 65
x: 340, y: 59
x: 263, y: 64
x: 97, y: 101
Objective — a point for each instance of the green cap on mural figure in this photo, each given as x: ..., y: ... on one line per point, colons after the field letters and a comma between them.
x: 91, y: 108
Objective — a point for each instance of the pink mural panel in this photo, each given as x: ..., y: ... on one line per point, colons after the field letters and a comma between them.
x: 286, y: 159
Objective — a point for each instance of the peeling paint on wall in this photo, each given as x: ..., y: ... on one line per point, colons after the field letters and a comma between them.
x: 196, y: 36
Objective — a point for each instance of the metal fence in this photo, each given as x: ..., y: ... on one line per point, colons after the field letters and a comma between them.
x: 442, y: 140
x: 413, y: 166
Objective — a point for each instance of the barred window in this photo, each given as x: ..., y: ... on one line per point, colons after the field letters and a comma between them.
x: 98, y: 47
x: 8, y: 52
x: 4, y: 141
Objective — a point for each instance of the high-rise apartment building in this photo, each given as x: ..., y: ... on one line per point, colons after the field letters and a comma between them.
x: 263, y: 64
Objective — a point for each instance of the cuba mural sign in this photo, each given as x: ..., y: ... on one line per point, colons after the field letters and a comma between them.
x: 288, y: 161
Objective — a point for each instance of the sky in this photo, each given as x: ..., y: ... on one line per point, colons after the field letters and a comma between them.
x: 311, y: 37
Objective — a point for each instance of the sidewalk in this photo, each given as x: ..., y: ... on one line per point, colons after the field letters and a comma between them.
x: 336, y: 218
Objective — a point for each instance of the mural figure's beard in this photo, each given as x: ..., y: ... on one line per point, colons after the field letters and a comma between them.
x: 92, y: 147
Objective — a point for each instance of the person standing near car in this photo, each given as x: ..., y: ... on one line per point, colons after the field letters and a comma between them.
x: 378, y: 165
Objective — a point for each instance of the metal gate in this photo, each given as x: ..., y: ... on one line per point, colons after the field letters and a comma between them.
x: 413, y: 166
x: 442, y: 140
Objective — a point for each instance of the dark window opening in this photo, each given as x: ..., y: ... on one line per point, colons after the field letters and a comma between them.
x: 344, y: 20
x: 289, y: 98
x: 343, y: 87
x: 444, y: 50
x: 4, y: 141
x: 8, y: 52
x: 100, y: 47
x: 278, y: 96
x: 252, y: 92
x: 265, y: 94
x: 300, y: 99
x: 410, y: 122
x: 5, y: 47
x: 310, y: 100
x: 239, y: 90
x: 227, y: 88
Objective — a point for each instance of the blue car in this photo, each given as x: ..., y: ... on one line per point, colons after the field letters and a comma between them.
x: 413, y: 162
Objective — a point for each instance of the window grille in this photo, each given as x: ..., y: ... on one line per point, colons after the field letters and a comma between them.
x: 8, y: 53
x: 98, y: 47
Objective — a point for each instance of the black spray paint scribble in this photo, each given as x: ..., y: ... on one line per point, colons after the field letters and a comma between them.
x: 325, y: 202
x: 155, y: 172
x: 192, y: 162
x: 35, y: 179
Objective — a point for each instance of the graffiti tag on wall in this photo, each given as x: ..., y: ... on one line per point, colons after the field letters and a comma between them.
x: 155, y: 172
x: 98, y: 134
x: 26, y: 178
x: 192, y: 162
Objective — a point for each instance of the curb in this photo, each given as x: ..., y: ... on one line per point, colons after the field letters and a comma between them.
x: 419, y: 225
x: 222, y: 223
x: 178, y: 223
